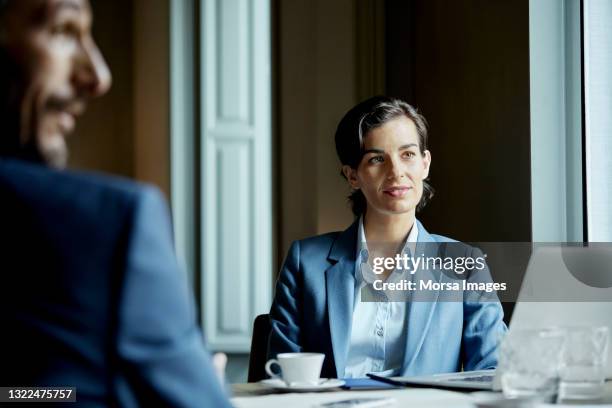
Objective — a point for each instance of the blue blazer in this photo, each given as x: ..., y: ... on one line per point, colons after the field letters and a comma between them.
x: 313, y: 307
x: 92, y: 296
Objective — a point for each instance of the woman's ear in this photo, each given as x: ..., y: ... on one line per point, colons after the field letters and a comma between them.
x: 426, y: 163
x: 351, y: 176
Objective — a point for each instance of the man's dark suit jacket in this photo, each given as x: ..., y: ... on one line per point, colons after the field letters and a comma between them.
x: 91, y: 294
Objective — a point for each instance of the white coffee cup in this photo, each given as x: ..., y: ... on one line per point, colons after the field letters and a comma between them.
x: 297, y: 368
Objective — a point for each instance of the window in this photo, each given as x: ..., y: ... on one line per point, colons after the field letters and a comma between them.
x: 597, y: 45
x: 222, y: 161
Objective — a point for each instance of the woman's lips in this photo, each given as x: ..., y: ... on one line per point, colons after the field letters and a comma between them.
x: 396, y: 192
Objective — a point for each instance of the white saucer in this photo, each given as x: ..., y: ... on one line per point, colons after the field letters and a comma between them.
x: 324, y: 384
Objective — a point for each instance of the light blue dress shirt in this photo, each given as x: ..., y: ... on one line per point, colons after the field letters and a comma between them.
x: 379, y: 330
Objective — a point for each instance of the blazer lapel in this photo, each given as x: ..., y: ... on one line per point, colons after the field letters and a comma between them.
x: 420, y: 312
x: 340, y: 286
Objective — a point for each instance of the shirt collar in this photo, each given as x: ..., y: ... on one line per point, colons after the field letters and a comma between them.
x: 367, y: 275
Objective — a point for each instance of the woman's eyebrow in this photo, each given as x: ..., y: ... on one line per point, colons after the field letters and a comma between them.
x: 402, y: 147
x: 407, y: 146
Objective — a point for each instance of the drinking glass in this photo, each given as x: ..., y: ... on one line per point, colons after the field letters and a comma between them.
x: 529, y: 364
x: 583, y: 364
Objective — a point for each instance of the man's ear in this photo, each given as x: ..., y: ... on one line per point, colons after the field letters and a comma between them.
x: 426, y: 163
x: 351, y: 176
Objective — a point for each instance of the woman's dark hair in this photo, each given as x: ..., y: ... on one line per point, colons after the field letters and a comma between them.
x: 361, y: 119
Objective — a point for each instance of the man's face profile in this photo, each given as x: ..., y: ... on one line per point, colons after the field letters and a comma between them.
x: 56, y: 68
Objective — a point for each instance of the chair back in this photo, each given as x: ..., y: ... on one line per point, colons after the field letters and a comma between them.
x: 259, y: 348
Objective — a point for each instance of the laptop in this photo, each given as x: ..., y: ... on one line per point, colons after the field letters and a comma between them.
x: 580, y: 294
x: 466, y: 380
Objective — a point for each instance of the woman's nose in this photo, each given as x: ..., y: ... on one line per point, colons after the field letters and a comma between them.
x: 395, y: 169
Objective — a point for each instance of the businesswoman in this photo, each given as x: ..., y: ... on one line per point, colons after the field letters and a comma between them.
x: 382, y: 145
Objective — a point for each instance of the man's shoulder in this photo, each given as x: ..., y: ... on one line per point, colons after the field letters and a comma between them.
x: 31, y: 179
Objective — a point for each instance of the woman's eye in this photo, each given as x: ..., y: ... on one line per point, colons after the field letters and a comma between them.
x: 409, y: 155
x: 376, y: 159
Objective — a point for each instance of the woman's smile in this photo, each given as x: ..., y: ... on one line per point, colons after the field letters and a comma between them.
x: 397, y: 191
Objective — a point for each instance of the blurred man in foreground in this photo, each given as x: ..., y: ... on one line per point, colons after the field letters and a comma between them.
x: 91, y: 295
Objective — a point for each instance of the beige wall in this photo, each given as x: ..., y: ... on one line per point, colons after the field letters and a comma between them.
x: 104, y: 139
x: 126, y: 132
x: 316, y: 86
x: 151, y: 93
